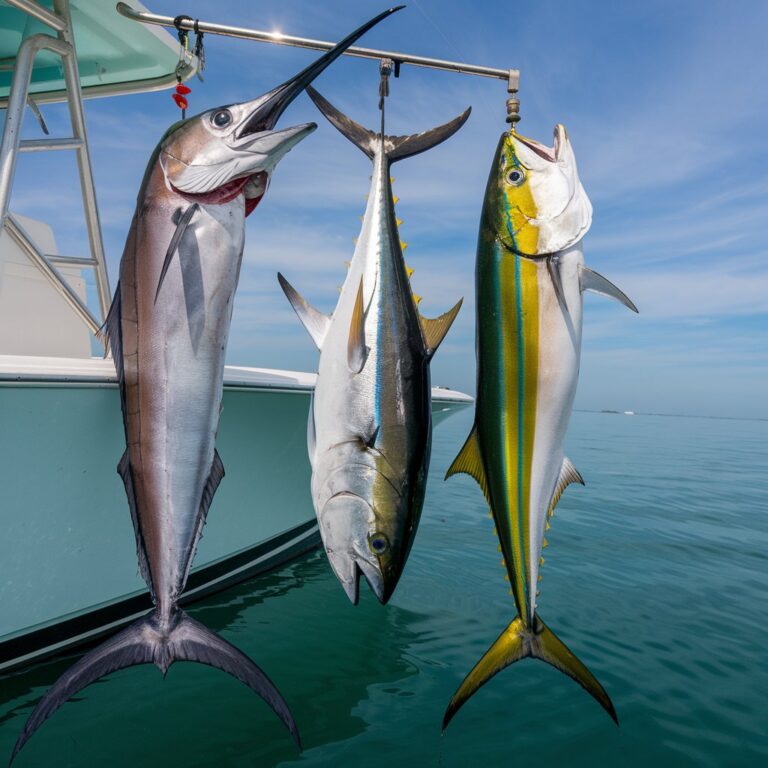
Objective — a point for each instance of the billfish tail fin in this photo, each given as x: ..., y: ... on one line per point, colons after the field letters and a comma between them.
x: 396, y: 147
x: 518, y: 642
x: 151, y: 641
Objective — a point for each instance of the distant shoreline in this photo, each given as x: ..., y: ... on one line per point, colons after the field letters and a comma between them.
x: 675, y: 415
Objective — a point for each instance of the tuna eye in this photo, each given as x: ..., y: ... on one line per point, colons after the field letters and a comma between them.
x: 516, y: 177
x: 222, y: 118
x: 378, y: 543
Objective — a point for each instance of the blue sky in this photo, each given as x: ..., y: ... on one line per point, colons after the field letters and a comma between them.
x: 667, y: 109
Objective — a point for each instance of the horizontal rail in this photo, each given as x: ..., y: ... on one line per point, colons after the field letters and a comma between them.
x: 512, y: 76
x: 42, y: 145
x: 53, y: 20
x: 70, y: 261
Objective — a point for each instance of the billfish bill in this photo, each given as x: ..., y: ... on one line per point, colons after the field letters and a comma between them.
x: 167, y: 329
x: 370, y: 420
x: 530, y: 276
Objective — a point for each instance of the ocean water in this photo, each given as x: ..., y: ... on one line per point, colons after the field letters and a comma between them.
x: 656, y: 576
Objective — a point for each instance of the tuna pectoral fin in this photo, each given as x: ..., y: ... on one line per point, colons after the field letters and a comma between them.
x: 357, y: 352
x: 396, y: 147
x: 312, y: 319
x: 470, y: 462
x: 595, y: 282
x: 147, y: 641
x: 518, y: 642
x: 434, y: 330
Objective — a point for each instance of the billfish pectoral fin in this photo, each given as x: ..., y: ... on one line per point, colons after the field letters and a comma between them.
x: 315, y: 322
x: 152, y: 641
x: 518, y: 642
x: 590, y: 280
x: 357, y: 352
x: 434, y: 330
x: 470, y: 461
x: 181, y: 227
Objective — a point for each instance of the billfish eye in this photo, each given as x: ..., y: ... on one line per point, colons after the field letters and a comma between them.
x: 222, y: 118
x: 378, y: 543
x: 516, y: 177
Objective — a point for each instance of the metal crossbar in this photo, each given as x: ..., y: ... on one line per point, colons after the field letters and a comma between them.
x: 511, y: 76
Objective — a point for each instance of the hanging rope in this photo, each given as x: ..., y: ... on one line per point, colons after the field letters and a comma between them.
x: 185, y: 58
x: 385, y: 69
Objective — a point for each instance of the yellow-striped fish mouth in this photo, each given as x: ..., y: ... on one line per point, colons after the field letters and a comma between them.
x: 551, y: 154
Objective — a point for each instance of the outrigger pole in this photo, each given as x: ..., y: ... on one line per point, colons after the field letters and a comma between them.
x: 511, y: 76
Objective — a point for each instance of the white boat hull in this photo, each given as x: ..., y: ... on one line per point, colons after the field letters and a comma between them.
x: 68, y: 568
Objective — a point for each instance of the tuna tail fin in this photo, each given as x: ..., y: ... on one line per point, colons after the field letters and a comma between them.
x: 151, y: 641
x: 518, y: 642
x: 396, y: 147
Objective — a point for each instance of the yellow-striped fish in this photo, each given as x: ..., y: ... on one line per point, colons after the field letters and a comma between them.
x: 530, y: 275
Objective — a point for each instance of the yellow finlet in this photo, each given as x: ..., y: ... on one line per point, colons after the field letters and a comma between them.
x: 409, y: 271
x: 395, y: 199
x: 403, y: 245
x: 399, y: 221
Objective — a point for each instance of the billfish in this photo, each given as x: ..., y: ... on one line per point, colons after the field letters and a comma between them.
x: 167, y: 329
x: 369, y: 431
x: 530, y: 276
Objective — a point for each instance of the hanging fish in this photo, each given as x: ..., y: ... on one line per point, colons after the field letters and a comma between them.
x: 369, y: 433
x: 530, y: 276
x: 167, y: 329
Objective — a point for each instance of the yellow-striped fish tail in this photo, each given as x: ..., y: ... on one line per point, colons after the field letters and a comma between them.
x: 519, y: 641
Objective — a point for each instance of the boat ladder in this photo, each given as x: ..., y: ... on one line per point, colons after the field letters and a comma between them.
x: 61, y: 43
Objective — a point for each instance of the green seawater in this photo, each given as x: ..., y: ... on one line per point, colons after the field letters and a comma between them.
x: 656, y: 576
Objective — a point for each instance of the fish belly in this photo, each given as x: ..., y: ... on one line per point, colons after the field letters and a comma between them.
x: 526, y: 382
x: 176, y: 347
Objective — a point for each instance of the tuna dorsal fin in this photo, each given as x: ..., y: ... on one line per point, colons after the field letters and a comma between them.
x: 470, y: 462
x: 590, y: 280
x: 434, y: 330
x: 124, y: 470
x: 110, y: 334
x: 357, y: 352
x: 211, y: 484
x: 312, y: 319
x: 568, y: 474
x: 181, y: 227
x: 396, y: 147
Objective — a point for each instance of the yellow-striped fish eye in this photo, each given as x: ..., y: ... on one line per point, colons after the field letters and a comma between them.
x: 378, y: 543
x: 221, y: 118
x: 515, y: 177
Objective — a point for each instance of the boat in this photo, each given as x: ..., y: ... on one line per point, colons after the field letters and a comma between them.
x: 68, y: 571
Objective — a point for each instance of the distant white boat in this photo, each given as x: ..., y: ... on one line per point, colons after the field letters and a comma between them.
x: 629, y: 413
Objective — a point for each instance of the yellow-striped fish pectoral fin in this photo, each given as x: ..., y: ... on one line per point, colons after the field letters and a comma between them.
x: 510, y: 646
x: 568, y: 474
x: 470, y: 462
x: 547, y: 646
x: 434, y: 330
x: 589, y: 280
x: 517, y: 642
